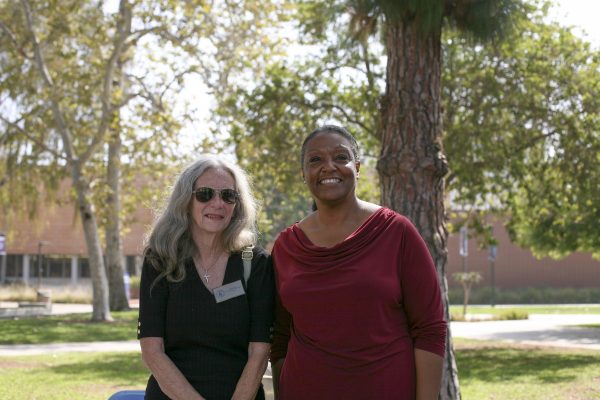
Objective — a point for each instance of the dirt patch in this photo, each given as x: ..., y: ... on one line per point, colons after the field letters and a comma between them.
x: 6, y: 363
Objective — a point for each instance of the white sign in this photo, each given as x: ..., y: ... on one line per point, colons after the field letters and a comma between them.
x: 493, y: 252
x: 464, y: 242
x: 2, y: 244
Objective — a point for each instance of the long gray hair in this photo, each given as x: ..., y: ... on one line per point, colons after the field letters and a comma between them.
x: 170, y: 242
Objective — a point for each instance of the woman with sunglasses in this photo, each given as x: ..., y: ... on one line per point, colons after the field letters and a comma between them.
x: 204, y: 331
x: 360, y: 313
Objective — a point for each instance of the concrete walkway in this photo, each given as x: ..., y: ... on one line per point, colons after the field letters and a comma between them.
x: 557, y: 330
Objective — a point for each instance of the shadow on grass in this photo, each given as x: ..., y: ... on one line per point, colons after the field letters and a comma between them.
x: 68, y: 328
x: 536, y: 366
x: 120, y: 369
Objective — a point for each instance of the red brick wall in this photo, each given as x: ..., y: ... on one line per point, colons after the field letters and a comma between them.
x: 60, y: 229
x: 517, y: 268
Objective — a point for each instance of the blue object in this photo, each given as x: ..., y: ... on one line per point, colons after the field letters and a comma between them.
x: 128, y: 395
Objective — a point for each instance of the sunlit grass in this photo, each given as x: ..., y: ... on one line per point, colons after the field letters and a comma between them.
x: 68, y: 328
x: 530, y: 309
x: 65, y: 294
x: 487, y: 370
x: 70, y: 376
x: 493, y: 370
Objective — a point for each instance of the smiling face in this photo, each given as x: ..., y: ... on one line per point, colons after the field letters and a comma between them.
x: 213, y: 216
x: 330, y: 168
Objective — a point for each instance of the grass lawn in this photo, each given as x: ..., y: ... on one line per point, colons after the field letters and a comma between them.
x: 68, y: 328
x: 487, y: 370
x: 530, y: 309
x: 67, y: 376
x: 70, y: 376
x: 493, y: 370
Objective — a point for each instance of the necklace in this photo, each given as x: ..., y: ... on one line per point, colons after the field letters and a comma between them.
x: 206, y: 270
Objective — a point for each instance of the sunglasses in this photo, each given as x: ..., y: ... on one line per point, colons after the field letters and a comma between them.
x: 205, y: 194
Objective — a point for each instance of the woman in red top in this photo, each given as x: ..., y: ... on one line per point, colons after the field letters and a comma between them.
x: 359, y: 314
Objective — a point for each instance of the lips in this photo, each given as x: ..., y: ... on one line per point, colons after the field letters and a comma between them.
x: 213, y: 216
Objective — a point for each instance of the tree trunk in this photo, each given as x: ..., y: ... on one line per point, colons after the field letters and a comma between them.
x: 412, y: 164
x: 118, y: 298
x: 100, y: 309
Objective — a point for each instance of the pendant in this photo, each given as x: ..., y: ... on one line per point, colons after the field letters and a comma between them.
x: 206, y: 276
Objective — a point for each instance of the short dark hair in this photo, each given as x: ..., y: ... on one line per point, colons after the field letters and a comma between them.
x: 335, y: 129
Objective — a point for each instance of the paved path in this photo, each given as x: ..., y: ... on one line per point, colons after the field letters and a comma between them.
x: 558, y: 330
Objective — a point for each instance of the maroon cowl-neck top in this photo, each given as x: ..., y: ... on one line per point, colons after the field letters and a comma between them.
x: 351, y: 315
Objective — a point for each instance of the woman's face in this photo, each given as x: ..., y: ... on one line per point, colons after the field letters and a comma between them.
x: 330, y: 168
x: 212, y: 216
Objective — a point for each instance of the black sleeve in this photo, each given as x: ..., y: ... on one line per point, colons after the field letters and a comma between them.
x: 261, y: 290
x: 153, y: 303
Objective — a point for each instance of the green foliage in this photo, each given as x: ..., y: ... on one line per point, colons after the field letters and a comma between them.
x: 520, y: 119
x: 512, y: 315
x: 531, y: 295
x: 496, y: 315
x: 522, y: 133
x: 269, y: 118
x: 467, y: 278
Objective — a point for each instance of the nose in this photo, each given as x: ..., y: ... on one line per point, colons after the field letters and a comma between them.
x: 328, y: 164
x: 216, y: 199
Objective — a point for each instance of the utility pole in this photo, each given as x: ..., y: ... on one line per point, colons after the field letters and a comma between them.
x: 492, y: 259
x: 3, y: 254
x: 40, y: 269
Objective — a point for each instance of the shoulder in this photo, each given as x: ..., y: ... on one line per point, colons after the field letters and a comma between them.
x: 285, y: 235
x: 393, y: 221
x: 259, y: 252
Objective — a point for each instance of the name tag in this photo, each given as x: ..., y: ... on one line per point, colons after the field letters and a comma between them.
x: 228, y: 291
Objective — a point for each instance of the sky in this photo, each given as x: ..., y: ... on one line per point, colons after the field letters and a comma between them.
x: 582, y: 14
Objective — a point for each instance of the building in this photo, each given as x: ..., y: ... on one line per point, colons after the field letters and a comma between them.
x: 516, y: 268
x: 51, y: 251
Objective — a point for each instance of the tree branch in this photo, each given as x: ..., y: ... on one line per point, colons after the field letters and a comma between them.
x: 43, y: 70
x: 13, y: 40
x: 32, y: 138
x: 124, y: 30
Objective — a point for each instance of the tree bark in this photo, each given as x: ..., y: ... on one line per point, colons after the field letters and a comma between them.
x: 118, y: 298
x: 412, y: 164
x: 100, y: 308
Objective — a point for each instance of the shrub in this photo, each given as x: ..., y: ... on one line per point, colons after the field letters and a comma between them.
x: 530, y: 295
x: 512, y: 315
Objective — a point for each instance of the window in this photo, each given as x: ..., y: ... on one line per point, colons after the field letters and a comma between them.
x: 14, y: 266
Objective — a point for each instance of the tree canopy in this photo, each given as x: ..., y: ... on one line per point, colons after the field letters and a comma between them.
x: 520, y: 120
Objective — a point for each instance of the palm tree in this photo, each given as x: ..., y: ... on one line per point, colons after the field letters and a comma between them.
x: 412, y: 164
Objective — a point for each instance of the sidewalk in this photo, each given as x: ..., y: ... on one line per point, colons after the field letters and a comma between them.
x: 556, y: 330
x: 54, y: 348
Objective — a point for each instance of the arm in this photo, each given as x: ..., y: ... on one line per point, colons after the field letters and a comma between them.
x: 249, y: 382
x: 169, y: 378
x: 281, y: 337
x: 424, y: 309
x: 429, y: 374
x: 276, y: 370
